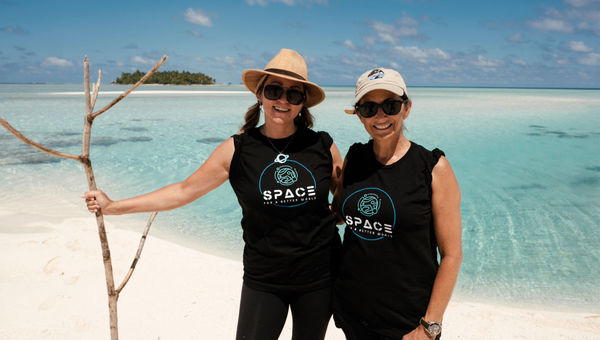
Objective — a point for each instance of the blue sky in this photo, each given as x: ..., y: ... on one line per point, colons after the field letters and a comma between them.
x: 550, y: 43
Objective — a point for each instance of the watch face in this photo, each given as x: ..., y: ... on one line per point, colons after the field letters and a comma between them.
x: 435, y: 329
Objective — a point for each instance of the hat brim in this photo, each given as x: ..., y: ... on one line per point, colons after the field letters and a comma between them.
x: 350, y: 112
x: 314, y: 93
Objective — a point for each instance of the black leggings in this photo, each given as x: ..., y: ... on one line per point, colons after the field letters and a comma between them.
x: 263, y: 314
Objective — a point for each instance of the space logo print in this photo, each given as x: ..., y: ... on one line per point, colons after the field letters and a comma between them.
x: 287, y: 184
x: 370, y: 214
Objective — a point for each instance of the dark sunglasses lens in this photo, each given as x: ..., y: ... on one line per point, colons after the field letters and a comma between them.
x: 368, y: 109
x: 391, y: 107
x: 273, y: 92
x: 294, y: 97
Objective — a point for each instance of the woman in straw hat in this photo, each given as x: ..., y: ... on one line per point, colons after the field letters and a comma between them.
x: 281, y: 173
x: 401, y: 206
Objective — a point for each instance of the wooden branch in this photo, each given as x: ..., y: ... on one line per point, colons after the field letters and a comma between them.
x: 95, y: 90
x: 138, y: 253
x: 124, y: 94
x: 90, y: 101
x: 86, y: 85
x: 36, y: 145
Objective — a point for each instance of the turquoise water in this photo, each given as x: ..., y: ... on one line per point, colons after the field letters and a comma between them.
x: 527, y: 160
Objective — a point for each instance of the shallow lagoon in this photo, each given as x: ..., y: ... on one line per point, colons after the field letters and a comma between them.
x: 527, y: 161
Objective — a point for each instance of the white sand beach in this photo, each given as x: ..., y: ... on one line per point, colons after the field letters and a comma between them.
x: 52, y: 286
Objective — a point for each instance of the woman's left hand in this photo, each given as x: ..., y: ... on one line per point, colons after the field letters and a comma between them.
x: 416, y: 334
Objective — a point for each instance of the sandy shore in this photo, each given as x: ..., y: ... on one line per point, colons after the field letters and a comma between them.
x: 52, y: 286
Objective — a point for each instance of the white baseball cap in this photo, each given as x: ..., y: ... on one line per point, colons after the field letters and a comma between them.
x: 378, y: 79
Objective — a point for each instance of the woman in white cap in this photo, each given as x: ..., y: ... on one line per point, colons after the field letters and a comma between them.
x: 401, y: 206
x: 282, y: 173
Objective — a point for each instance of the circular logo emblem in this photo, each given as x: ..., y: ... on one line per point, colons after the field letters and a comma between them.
x: 287, y: 185
x: 370, y: 214
x: 369, y: 204
x: 286, y: 175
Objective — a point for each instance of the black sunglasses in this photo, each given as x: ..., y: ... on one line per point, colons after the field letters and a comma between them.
x: 390, y: 107
x: 293, y: 96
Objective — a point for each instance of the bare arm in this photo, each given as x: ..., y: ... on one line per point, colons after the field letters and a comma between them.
x: 209, y: 176
x: 448, y: 231
x: 337, y: 168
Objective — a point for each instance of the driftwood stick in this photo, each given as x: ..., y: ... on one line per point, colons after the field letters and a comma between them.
x: 106, y: 259
x: 86, y: 84
x: 84, y: 158
x: 95, y: 89
x: 138, y: 253
x: 135, y: 86
x: 36, y: 145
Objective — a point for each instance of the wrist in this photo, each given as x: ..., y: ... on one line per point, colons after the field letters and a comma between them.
x: 431, y: 328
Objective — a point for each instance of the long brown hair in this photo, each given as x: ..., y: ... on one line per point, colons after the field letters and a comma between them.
x: 304, y: 119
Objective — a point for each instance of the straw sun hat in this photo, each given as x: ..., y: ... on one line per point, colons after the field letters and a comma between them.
x: 287, y: 64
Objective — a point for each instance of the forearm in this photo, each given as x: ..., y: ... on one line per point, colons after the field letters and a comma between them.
x: 443, y: 286
x: 166, y: 198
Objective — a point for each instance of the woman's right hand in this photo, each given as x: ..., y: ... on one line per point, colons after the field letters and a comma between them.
x: 97, y: 200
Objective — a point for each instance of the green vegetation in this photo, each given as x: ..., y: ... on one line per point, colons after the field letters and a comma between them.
x: 166, y: 78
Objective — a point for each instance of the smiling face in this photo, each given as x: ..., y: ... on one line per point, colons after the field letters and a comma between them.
x: 280, y: 111
x: 382, y: 126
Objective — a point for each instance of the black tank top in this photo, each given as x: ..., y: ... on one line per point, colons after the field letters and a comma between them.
x: 290, y: 236
x: 389, y: 259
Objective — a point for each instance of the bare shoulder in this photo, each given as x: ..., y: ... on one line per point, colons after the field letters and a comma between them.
x: 222, y: 155
x: 442, y: 167
x: 443, y: 177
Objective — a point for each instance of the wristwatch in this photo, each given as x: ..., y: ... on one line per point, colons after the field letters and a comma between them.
x: 432, y: 328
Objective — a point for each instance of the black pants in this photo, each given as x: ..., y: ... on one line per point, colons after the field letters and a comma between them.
x: 263, y: 314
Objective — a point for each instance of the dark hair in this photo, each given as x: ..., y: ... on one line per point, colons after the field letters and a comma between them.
x: 304, y: 120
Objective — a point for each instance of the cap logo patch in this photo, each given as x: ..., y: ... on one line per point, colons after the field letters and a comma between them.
x: 376, y: 74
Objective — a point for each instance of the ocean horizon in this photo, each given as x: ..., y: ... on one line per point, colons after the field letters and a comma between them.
x: 329, y: 85
x: 527, y: 161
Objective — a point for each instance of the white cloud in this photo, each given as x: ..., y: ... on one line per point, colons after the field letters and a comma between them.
x: 286, y: 2
x: 141, y: 60
x: 580, y: 3
x: 58, y: 62
x: 421, y: 55
x: 587, y: 19
x: 226, y: 60
x: 591, y: 59
x: 197, y: 17
x: 348, y: 43
x: 14, y: 30
x: 515, y: 37
x: 439, y: 54
x: 549, y: 24
x: 412, y: 52
x: 407, y: 21
x: 486, y: 62
x: 406, y: 27
x: 194, y: 33
x: 369, y: 40
x: 579, y: 46
x: 518, y: 61
x: 384, y: 31
x: 249, y: 63
x: 560, y: 60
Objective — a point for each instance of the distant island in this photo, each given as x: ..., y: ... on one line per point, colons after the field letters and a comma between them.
x: 166, y: 78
